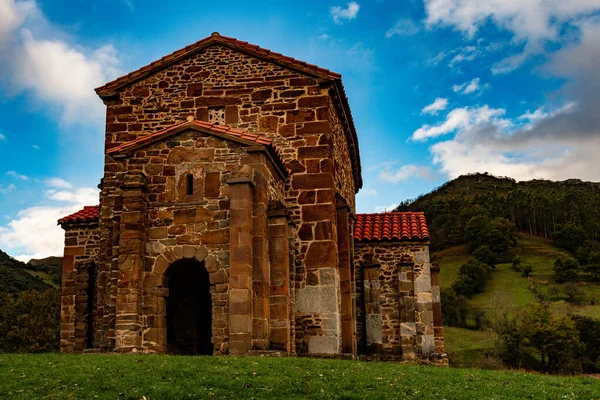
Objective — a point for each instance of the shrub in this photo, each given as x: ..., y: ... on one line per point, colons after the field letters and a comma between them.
x: 29, y: 321
x: 527, y: 270
x: 455, y: 308
x: 486, y: 256
x: 574, y: 293
x: 516, y: 263
x: 589, y: 336
x: 565, y: 269
x: 471, y: 278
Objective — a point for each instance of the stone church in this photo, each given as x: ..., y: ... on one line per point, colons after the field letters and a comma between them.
x: 226, y: 222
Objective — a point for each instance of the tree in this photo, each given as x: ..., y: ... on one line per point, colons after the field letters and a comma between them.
x: 486, y: 256
x: 527, y: 270
x: 29, y: 321
x: 555, y: 338
x: 455, y: 308
x: 589, y: 336
x: 497, y: 233
x: 574, y: 293
x: 566, y: 269
x: 471, y: 278
x: 570, y: 236
x: 592, y: 265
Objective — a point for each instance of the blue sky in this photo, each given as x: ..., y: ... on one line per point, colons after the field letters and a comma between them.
x: 437, y: 88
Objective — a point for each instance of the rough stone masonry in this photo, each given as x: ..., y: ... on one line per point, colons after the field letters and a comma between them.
x: 227, y: 225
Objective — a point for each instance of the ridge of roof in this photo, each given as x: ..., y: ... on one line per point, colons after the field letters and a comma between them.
x: 390, y: 226
x: 86, y: 214
x: 222, y: 131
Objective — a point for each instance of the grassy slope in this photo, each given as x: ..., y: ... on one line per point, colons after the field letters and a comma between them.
x: 89, y: 376
x: 507, y: 291
x: 45, y: 277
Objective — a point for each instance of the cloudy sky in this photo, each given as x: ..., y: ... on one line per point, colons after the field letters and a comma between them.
x: 438, y: 88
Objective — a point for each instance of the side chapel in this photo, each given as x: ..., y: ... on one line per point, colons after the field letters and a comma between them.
x: 226, y: 222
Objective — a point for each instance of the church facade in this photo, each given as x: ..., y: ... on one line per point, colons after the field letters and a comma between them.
x: 227, y: 225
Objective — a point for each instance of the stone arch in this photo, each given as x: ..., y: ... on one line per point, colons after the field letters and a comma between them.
x: 157, y: 290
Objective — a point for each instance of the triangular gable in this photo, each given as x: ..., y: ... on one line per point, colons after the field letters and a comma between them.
x: 111, y: 89
x: 216, y: 38
x: 221, y: 131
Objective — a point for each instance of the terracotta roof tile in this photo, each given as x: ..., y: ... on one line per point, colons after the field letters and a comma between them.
x: 88, y: 214
x: 394, y: 226
x: 221, y: 129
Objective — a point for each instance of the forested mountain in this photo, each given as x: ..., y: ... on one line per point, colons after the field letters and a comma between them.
x: 539, y: 207
x: 14, y: 277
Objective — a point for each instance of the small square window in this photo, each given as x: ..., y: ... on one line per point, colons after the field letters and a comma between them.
x: 216, y: 115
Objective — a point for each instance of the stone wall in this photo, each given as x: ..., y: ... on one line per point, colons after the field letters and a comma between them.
x: 294, y: 110
x: 396, y: 295
x: 82, y: 288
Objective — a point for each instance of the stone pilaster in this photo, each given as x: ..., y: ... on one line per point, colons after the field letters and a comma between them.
x: 438, y: 327
x: 241, y: 188
x: 344, y: 265
x: 260, y: 266
x: 279, y: 258
x: 128, y: 320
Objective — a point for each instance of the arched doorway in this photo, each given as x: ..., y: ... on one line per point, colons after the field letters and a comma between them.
x: 189, y: 308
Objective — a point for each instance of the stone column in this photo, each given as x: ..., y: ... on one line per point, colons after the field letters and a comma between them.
x: 240, y: 261
x: 344, y: 260
x: 279, y: 257
x: 371, y: 293
x: 408, y: 328
x: 438, y: 328
x: 423, y: 305
x: 128, y: 320
x: 260, y: 265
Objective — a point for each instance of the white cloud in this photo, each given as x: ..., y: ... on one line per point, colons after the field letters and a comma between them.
x: 368, y: 192
x: 34, y: 232
x: 438, y: 104
x: 404, y: 173
x: 387, y: 208
x: 39, y: 61
x: 341, y: 15
x: 532, y: 22
x: 467, y: 53
x: 462, y: 119
x: 17, y: 176
x: 35, y: 146
x: 468, y: 87
x: 403, y: 27
x: 7, y: 189
x: 58, y: 183
x: 2, y: 137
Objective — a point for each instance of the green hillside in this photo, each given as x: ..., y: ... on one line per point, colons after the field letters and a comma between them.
x: 15, y: 276
x: 90, y: 376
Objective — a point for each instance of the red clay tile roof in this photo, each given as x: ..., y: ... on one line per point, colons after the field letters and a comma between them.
x: 201, y: 125
x: 88, y: 214
x: 393, y: 226
x: 109, y: 89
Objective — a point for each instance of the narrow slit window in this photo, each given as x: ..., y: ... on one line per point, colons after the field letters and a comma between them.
x: 190, y: 184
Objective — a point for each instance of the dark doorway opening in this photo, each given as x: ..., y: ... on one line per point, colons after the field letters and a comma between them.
x: 189, y: 308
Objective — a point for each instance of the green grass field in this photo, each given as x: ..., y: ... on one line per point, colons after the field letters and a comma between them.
x: 508, y: 289
x: 96, y: 376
